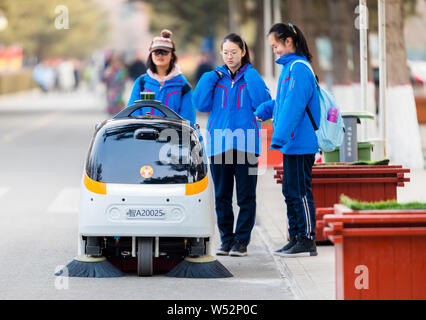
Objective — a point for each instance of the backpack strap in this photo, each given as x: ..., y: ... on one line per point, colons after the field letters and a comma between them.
x: 186, y: 88
x: 309, y: 67
x: 311, y: 118
x: 316, y: 81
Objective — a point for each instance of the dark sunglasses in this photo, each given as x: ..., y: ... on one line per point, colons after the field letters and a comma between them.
x: 160, y: 51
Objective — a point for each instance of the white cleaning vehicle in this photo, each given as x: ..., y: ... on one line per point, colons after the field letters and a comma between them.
x: 146, y: 192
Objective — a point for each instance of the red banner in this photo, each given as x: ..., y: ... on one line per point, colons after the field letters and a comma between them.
x: 10, y: 58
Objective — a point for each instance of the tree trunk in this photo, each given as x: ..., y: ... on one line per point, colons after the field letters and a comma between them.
x: 309, y: 30
x: 234, y: 21
x: 340, y: 34
x: 259, y: 48
x: 395, y: 44
x: 302, y: 14
x: 403, y: 145
x: 340, y: 38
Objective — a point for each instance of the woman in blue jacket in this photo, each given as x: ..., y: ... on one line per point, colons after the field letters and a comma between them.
x: 231, y: 93
x: 294, y: 134
x: 165, y: 79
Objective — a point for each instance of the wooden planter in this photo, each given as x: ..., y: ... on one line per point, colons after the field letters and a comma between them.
x: 272, y: 158
x: 421, y: 109
x: 379, y: 254
x: 363, y: 183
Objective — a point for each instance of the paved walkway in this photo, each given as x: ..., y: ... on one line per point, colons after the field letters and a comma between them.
x: 310, y: 277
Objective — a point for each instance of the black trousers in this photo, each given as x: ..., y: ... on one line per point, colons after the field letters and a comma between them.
x: 245, y: 174
x: 297, y: 190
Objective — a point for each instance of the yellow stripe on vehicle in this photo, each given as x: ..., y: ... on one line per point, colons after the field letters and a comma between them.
x: 197, y: 187
x: 94, y: 186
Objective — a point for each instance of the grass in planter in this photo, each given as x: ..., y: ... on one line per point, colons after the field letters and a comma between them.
x: 383, y: 162
x: 380, y: 205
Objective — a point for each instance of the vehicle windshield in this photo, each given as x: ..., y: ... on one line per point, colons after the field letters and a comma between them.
x: 147, y: 153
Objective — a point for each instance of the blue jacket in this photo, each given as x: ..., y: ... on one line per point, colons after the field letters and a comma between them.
x: 293, y: 132
x: 231, y: 103
x: 170, y: 95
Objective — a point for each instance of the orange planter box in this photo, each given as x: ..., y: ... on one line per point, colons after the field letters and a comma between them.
x: 421, y: 109
x: 271, y: 158
x: 360, y: 182
x: 378, y: 254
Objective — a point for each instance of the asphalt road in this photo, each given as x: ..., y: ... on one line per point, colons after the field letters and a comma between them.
x: 43, y: 144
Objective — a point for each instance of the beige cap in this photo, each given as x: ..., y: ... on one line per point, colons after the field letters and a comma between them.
x: 164, y: 42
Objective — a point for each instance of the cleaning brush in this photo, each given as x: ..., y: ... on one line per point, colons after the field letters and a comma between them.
x: 90, y: 267
x: 199, y: 267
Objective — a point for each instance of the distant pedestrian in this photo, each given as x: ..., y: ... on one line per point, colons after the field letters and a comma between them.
x: 231, y: 93
x: 165, y: 79
x: 44, y: 75
x: 77, y: 73
x: 115, y: 77
x: 66, y: 78
x: 205, y: 65
x: 137, y: 68
x: 294, y: 135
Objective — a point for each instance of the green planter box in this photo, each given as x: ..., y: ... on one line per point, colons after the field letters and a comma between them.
x: 364, y: 153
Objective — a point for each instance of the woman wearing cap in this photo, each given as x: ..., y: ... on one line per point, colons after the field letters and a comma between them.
x: 231, y: 93
x: 115, y: 78
x: 165, y: 79
x: 297, y: 100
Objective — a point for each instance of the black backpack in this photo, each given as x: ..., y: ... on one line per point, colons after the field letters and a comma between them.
x: 185, y: 89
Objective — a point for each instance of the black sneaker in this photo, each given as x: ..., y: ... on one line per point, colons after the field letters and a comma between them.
x: 238, y: 250
x: 224, y: 249
x: 302, y: 248
x: 288, y: 246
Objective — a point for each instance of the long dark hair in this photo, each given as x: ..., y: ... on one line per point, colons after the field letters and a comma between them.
x: 151, y: 66
x: 282, y: 31
x: 235, y: 38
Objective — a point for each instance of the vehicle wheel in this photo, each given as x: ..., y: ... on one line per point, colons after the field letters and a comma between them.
x: 145, y: 257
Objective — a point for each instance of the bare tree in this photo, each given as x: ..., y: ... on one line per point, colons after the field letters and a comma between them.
x: 403, y: 144
x: 259, y: 48
x: 340, y: 37
x: 304, y: 14
x: 395, y: 44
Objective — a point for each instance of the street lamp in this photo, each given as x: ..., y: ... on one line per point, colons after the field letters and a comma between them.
x: 383, y: 71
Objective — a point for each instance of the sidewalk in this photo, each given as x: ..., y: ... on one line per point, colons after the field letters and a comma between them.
x: 310, y: 277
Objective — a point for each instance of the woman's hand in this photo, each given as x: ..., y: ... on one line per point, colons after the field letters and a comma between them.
x: 258, y: 119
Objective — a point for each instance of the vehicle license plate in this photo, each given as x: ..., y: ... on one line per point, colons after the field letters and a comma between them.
x: 146, y: 213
